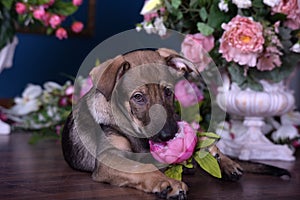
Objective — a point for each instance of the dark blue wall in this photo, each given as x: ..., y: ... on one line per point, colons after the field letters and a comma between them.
x: 40, y: 58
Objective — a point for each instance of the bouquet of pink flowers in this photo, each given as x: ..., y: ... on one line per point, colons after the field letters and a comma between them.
x: 47, y: 13
x: 249, y: 39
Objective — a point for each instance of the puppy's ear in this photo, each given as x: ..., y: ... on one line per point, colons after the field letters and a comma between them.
x: 106, y: 75
x: 177, y: 61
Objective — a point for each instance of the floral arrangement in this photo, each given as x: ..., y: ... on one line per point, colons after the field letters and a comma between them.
x: 249, y: 39
x: 48, y: 13
x: 44, y: 109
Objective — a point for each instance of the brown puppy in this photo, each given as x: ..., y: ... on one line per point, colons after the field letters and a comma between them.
x: 108, y: 131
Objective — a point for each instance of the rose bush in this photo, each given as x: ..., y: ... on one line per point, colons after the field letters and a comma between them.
x: 50, y: 14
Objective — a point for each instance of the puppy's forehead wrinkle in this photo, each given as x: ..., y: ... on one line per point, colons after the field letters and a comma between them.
x: 148, y: 74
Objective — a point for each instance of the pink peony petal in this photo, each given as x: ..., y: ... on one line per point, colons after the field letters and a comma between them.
x: 178, y: 149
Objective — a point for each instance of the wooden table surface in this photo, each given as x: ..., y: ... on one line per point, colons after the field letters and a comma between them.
x: 40, y: 172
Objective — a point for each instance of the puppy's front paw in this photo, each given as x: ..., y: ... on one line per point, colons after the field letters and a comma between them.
x: 171, y: 189
x: 230, y: 170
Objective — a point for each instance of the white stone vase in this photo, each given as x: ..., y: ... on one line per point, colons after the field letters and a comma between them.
x: 254, y: 106
x: 7, y: 54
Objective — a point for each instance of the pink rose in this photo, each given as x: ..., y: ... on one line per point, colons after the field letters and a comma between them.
x: 46, y: 18
x: 20, y: 8
x: 291, y: 8
x: 242, y: 41
x: 54, y: 21
x: 188, y: 94
x: 196, y: 47
x: 177, y: 149
x: 86, y: 86
x: 77, y: 27
x: 39, y: 13
x: 61, y: 33
x: 77, y: 2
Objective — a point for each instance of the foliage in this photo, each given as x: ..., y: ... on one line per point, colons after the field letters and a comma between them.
x: 32, y: 13
x: 277, y: 56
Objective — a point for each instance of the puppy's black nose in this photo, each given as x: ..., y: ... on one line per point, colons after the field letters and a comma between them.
x: 165, y: 136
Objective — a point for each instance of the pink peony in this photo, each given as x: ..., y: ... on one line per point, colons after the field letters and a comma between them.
x: 177, y: 149
x: 20, y: 8
x: 77, y: 27
x: 195, y: 48
x: 291, y: 8
x: 61, y: 33
x: 188, y: 94
x: 242, y: 41
x: 77, y: 2
x: 39, y: 13
x: 54, y: 21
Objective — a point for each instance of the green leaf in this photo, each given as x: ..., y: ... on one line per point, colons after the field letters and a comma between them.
x: 176, y: 3
x: 258, y: 4
x: 204, y: 143
x: 209, y: 164
x: 64, y: 8
x: 175, y: 172
x: 189, y: 165
x: 237, y: 74
x: 203, y: 14
x: 210, y: 135
x: 217, y: 17
x: 8, y: 3
x: 204, y: 29
x: 49, y: 31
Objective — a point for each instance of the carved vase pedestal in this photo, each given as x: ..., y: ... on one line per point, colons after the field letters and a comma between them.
x: 253, y: 106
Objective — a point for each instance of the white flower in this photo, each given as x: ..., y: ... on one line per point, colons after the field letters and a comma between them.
x: 138, y: 27
x: 291, y: 118
x: 295, y: 48
x: 160, y: 27
x: 4, y: 128
x: 150, y: 6
x: 29, y: 102
x: 223, y: 5
x: 50, y: 86
x: 149, y: 28
x: 285, y: 132
x: 242, y: 3
x: 271, y: 3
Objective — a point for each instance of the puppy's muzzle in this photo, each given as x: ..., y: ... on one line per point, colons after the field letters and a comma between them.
x: 167, y: 133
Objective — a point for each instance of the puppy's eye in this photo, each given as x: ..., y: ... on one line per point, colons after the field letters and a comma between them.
x: 168, y: 92
x: 139, y: 97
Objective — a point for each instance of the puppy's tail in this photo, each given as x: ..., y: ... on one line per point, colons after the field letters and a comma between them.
x: 263, y: 169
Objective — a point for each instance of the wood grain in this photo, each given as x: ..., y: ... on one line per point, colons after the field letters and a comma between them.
x: 40, y: 172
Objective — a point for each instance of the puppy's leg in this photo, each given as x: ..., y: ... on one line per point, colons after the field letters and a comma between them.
x: 137, y: 177
x: 230, y: 169
x: 114, y: 168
